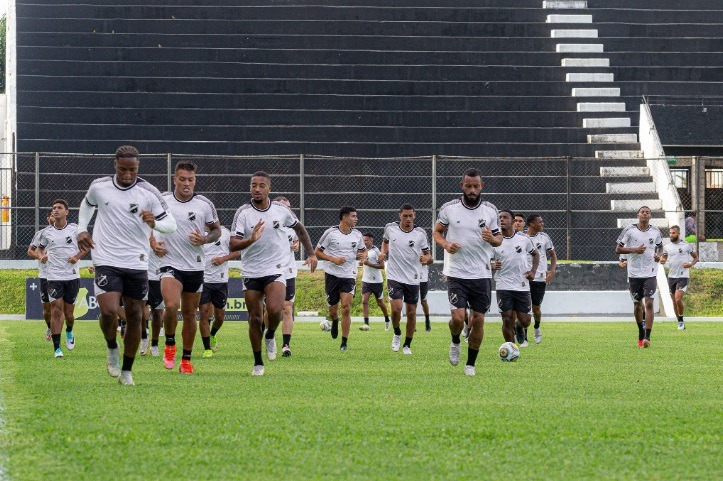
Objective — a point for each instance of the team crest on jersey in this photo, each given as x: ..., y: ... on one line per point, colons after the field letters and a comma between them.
x: 518, y: 249
x: 69, y: 240
x: 142, y: 257
x: 276, y: 224
x: 650, y: 241
x: 482, y: 223
x: 217, y: 243
x: 291, y: 238
x: 539, y: 246
x: 411, y: 243
x: 353, y: 245
x: 191, y: 216
x: 134, y: 208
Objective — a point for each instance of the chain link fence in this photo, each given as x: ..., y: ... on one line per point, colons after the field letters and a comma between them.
x: 584, y: 202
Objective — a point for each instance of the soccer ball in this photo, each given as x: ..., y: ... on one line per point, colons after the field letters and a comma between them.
x: 509, y: 352
x: 325, y: 326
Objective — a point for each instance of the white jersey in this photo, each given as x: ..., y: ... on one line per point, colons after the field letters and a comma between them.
x: 154, y: 267
x: 212, y: 273
x: 193, y: 214
x: 678, y: 253
x: 425, y: 274
x: 641, y: 266
x: 268, y: 256
x: 42, y: 271
x: 464, y: 226
x: 405, y: 248
x: 372, y: 275
x: 514, y: 255
x: 119, y: 234
x: 337, y: 244
x: 293, y: 269
x: 543, y: 244
x: 59, y: 245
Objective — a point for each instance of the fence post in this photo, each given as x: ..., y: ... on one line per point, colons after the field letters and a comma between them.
x: 434, y: 203
x: 169, y: 169
x: 302, y: 217
x: 37, y: 191
x: 568, y: 216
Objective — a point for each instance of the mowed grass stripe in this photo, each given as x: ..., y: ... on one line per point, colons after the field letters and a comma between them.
x: 585, y: 404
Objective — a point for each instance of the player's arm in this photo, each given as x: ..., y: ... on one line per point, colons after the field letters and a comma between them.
x: 694, y: 255
x: 426, y: 258
x: 535, y: 262
x: 85, y: 215
x: 217, y: 261
x: 305, y: 240
x: 197, y: 238
x: 323, y: 256
x: 33, y: 253
x: 239, y: 242
x: 379, y: 264
x: 438, y: 236
x: 664, y: 257
x: 553, y: 265
x: 81, y: 253
x: 621, y: 249
x: 658, y: 251
x: 495, y: 240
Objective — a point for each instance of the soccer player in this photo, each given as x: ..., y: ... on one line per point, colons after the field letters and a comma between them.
x: 407, y: 247
x: 128, y: 208
x: 43, y: 277
x: 155, y: 298
x: 423, y: 290
x: 519, y: 223
x: 643, y: 244
x: 682, y: 256
x: 287, y: 317
x: 182, y: 267
x: 257, y: 231
x: 372, y: 281
x: 467, y: 229
x: 341, y: 246
x: 215, y: 290
x: 58, y: 246
x: 543, y: 276
x: 513, y: 276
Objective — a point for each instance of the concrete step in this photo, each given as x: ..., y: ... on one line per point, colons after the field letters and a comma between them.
x: 579, y: 48
x: 634, y: 205
x: 563, y: 4
x: 601, y: 107
x: 585, y: 62
x: 589, y: 77
x: 630, y: 188
x: 573, y: 33
x: 569, y: 19
x: 596, y: 92
x: 624, y: 171
x: 606, y: 123
x: 657, y: 222
x: 612, y: 138
x: 618, y: 154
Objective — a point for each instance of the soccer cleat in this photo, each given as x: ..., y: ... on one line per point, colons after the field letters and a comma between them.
x: 169, y: 357
x: 406, y: 350
x: 396, y: 341
x: 270, y: 349
x: 538, y: 335
x: 207, y: 353
x: 646, y: 342
x: 58, y: 353
x: 334, y: 329
x: 48, y: 334
x: 364, y: 327
x: 258, y: 370
x: 524, y: 343
x: 144, y: 346
x: 429, y: 328
x: 70, y: 341
x: 681, y: 325
x: 286, y: 351
x: 640, y: 343
x: 113, y: 363
x: 126, y: 379
x: 343, y: 348
x: 386, y: 326
x: 185, y: 367
x: 469, y: 370
x: 214, y: 344
x: 154, y: 351
x: 454, y: 351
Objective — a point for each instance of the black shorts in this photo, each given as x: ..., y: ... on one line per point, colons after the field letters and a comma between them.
x: 474, y: 294
x: 518, y: 301
x: 44, y: 290
x: 678, y: 284
x: 66, y: 290
x: 335, y: 286
x: 642, y: 287
x: 131, y: 283
x: 260, y: 283
x: 423, y: 290
x: 407, y: 292
x: 376, y: 288
x: 537, y: 292
x: 191, y: 281
x: 216, y: 293
x: 155, y: 298
x: 290, y: 290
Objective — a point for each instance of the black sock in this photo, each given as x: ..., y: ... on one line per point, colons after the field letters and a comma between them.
x: 154, y: 342
x: 680, y: 318
x: 426, y: 319
x: 525, y: 333
x: 408, y: 341
x: 257, y: 359
x: 455, y: 339
x: 186, y: 354
x: 343, y: 341
x: 647, y: 334
x: 386, y: 319
x: 537, y: 323
x: 170, y: 339
x: 214, y: 331
x: 397, y: 331
x: 69, y: 328
x: 112, y: 343
x: 206, y: 342
x: 287, y: 339
x: 144, y: 335
x: 335, y: 322
x: 641, y: 331
x: 270, y: 334
x: 366, y: 321
x: 127, y: 363
x: 56, y: 341
x: 472, y: 356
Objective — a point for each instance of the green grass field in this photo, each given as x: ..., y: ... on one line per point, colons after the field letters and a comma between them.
x: 584, y: 404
